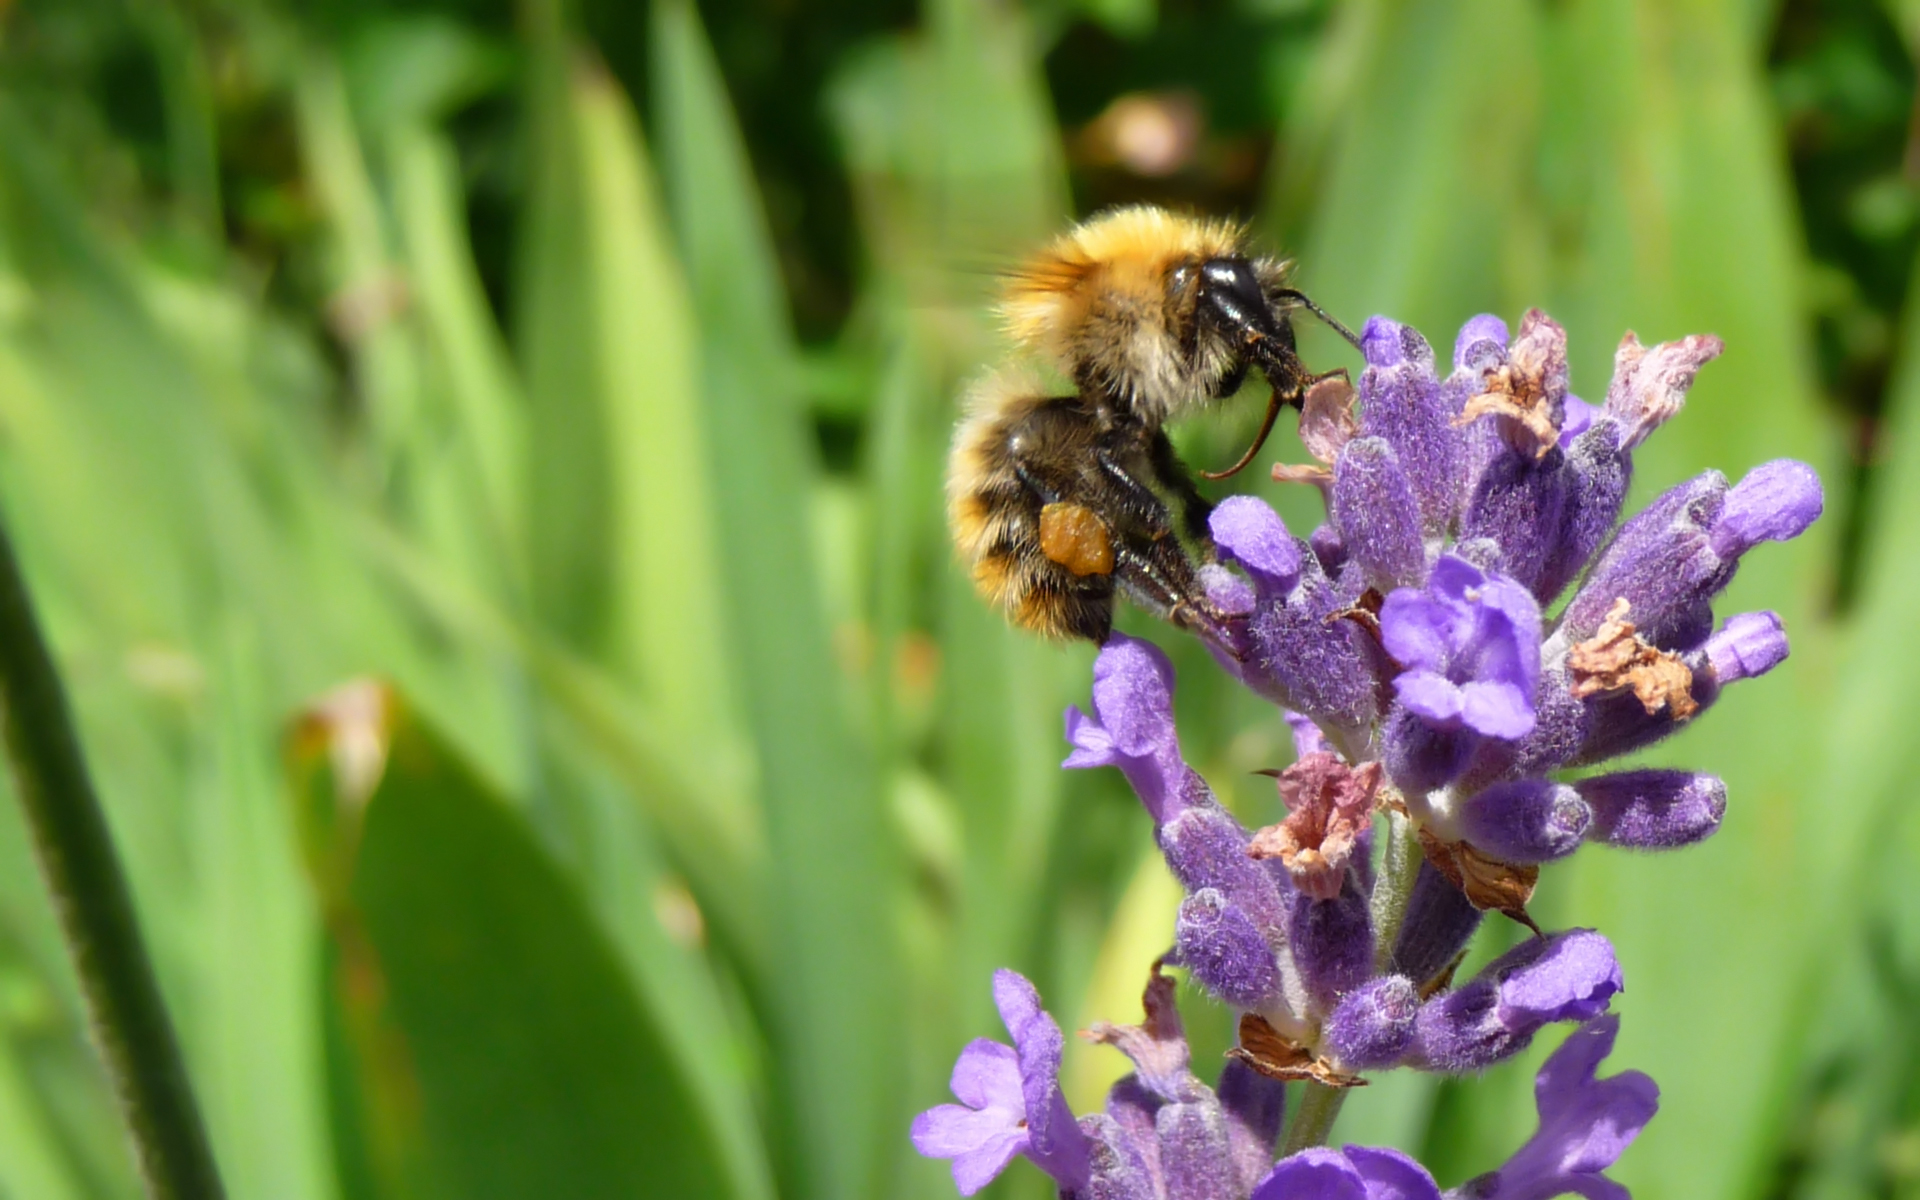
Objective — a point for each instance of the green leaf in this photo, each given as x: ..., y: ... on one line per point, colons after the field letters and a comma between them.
x: 834, y: 1011
x: 540, y: 1072
x: 625, y: 553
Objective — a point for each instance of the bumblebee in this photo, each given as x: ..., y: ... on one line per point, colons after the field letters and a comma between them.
x: 1060, y: 502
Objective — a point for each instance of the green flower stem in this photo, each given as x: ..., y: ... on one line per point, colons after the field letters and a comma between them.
x: 1311, y: 1125
x: 1399, y: 866
x: 96, y: 913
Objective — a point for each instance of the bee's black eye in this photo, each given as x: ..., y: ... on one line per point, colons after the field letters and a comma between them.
x: 1232, y: 295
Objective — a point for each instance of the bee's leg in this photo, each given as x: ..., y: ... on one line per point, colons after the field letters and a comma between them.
x: 1275, y: 402
x: 1172, y: 594
x: 1141, y: 500
x: 1172, y: 474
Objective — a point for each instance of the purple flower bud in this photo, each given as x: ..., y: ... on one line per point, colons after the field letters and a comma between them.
x: 1374, y: 508
x: 1226, y: 591
x: 1420, y: 758
x: 1248, y: 533
x: 1133, y: 697
x: 1749, y: 644
x: 1526, y: 820
x: 1519, y: 502
x: 1328, y: 549
x: 1299, y: 658
x: 1649, y: 386
x: 1617, y: 725
x: 1372, y: 1028
x: 1350, y: 1173
x: 1586, y: 1124
x: 1672, y: 559
x: 1255, y: 1106
x: 1131, y: 1108
x: 1010, y: 1101
x: 1597, y: 473
x: 1481, y: 342
x: 1440, y: 921
x: 1775, y: 502
x: 1206, y: 848
x: 1653, y: 810
x: 1470, y: 643
x: 1307, y: 738
x: 1661, y: 564
x: 1387, y: 343
x: 1567, y: 977
x: 1226, y: 952
x: 1331, y: 942
x: 1196, y: 1154
x: 1579, y: 418
x: 1120, y: 1168
x: 1402, y: 404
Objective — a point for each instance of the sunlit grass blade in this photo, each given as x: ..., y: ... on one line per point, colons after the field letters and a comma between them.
x: 832, y: 1000
x: 257, y: 1010
x: 367, y: 287
x: 625, y: 552
x: 483, y: 394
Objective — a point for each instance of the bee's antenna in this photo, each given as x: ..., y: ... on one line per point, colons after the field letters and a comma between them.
x: 1301, y: 299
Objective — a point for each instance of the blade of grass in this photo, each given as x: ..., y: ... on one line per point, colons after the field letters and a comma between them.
x: 484, y: 391
x: 836, y: 1016
x: 76, y: 855
x: 626, y: 556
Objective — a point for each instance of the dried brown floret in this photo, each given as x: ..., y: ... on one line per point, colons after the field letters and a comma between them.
x: 1521, y: 391
x: 1329, y: 805
x: 1616, y: 659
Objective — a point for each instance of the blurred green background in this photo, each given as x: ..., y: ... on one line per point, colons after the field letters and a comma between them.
x: 585, y: 372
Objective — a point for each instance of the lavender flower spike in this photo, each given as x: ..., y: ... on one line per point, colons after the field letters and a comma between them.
x: 1010, y: 1101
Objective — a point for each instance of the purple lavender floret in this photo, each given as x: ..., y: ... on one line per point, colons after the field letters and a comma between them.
x: 1469, y: 643
x: 1133, y: 695
x: 1586, y: 1124
x: 1568, y: 977
x: 1010, y: 1101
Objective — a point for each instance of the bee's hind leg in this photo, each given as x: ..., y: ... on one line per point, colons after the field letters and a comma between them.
x: 1170, y: 591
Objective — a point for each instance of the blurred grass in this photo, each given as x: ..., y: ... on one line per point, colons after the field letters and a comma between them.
x: 586, y: 372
